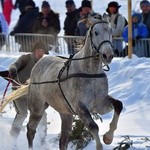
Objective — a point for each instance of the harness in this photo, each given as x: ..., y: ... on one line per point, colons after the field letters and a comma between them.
x: 76, y: 75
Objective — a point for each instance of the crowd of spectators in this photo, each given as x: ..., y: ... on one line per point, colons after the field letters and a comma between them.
x: 75, y: 24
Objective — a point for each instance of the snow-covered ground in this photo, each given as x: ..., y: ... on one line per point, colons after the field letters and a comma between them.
x: 129, y: 81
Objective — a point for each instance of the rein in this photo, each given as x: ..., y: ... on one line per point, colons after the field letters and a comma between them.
x: 75, y: 75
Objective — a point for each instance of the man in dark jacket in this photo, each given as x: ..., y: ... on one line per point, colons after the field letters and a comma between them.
x: 70, y: 23
x: 47, y: 22
x: 145, y: 7
x: 25, y: 24
x: 20, y: 71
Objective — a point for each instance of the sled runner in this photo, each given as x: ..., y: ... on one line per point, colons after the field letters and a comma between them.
x: 12, y: 96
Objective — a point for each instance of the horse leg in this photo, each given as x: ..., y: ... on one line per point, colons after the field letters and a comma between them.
x: 66, y: 127
x: 36, y: 112
x: 118, y: 106
x: 86, y: 118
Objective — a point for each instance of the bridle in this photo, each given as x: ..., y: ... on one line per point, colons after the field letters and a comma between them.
x: 97, y: 49
x: 77, y: 75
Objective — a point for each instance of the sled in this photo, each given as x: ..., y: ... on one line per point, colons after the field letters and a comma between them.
x: 13, y: 96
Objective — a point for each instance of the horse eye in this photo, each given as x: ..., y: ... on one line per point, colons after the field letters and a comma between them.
x: 96, y: 33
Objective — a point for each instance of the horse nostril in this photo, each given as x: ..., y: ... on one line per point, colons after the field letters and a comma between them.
x: 104, y: 56
x: 111, y: 56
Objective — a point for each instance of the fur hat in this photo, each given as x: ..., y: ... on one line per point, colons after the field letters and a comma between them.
x: 86, y: 3
x: 40, y: 45
x: 113, y: 4
x: 145, y: 2
x: 45, y: 4
x: 70, y: 2
x: 30, y: 3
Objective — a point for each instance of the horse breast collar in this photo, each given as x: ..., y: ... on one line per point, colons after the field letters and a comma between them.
x: 68, y: 76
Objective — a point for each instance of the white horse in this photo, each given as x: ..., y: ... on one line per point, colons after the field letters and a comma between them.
x: 77, y: 85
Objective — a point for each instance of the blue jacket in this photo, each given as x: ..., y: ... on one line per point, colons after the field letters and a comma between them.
x: 3, y: 25
x: 138, y: 30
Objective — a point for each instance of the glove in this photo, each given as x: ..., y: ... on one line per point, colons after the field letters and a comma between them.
x: 13, y: 73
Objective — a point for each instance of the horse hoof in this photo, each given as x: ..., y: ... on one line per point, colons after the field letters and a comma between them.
x: 107, y: 140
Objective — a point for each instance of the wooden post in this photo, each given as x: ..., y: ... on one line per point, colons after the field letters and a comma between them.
x: 129, y: 29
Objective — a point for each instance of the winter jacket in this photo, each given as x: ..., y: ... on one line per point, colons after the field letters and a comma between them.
x: 70, y: 22
x: 26, y: 22
x: 3, y: 25
x: 23, y: 66
x: 139, y: 30
x: 53, y: 24
x: 117, y: 25
x: 146, y: 21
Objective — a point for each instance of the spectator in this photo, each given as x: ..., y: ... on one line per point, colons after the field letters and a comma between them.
x: 70, y: 23
x: 20, y: 72
x: 7, y: 10
x: 117, y: 22
x: 47, y: 22
x: 145, y: 7
x: 87, y: 12
x: 25, y: 25
x: 3, y: 30
x: 139, y: 30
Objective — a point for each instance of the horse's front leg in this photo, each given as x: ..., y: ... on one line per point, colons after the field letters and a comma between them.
x: 86, y: 118
x: 118, y: 106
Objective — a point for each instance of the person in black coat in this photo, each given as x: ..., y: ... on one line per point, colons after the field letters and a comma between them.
x: 70, y: 23
x: 47, y: 22
x: 25, y: 24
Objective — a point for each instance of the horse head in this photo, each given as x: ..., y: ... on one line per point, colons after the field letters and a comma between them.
x: 101, y: 39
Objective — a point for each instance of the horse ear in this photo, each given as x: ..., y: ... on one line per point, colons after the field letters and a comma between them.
x: 105, y: 17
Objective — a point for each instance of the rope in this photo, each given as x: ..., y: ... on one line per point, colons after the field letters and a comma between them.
x: 10, y: 80
x: 3, y: 98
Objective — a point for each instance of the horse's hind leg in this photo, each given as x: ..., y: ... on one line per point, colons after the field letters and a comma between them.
x: 86, y: 118
x: 117, y: 105
x: 66, y: 126
x: 36, y: 113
